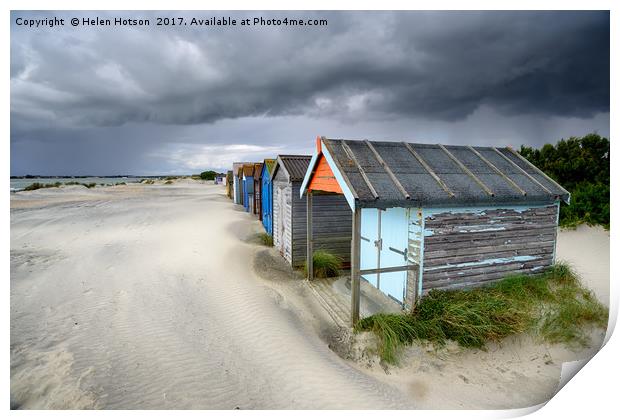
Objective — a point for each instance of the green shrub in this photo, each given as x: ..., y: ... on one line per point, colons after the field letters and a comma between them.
x: 208, y: 175
x: 581, y: 165
x: 552, y: 305
x: 325, y: 264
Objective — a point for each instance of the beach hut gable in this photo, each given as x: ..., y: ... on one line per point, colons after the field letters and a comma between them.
x: 324, y: 178
x: 428, y: 216
x: 290, y: 213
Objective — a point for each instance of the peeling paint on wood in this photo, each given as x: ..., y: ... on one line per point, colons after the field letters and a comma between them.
x: 465, y: 247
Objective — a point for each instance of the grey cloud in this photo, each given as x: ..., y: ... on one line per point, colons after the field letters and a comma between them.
x: 434, y: 65
x: 92, y: 99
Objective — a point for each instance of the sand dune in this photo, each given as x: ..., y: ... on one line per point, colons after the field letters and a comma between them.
x: 149, y: 301
x: 147, y: 297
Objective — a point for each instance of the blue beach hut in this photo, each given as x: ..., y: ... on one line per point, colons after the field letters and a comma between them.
x: 248, y: 185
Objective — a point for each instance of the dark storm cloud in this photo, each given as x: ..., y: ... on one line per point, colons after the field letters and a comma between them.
x: 105, y: 100
x: 363, y: 65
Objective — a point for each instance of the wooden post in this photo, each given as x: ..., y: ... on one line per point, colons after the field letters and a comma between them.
x: 309, y: 247
x: 355, y: 265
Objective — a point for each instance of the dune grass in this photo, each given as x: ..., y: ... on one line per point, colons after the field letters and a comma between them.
x: 38, y: 185
x: 552, y: 306
x: 325, y: 264
x: 266, y: 239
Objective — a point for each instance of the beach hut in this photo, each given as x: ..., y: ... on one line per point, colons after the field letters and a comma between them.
x: 247, y: 185
x: 229, y: 184
x: 428, y: 216
x: 220, y: 179
x: 256, y: 199
x: 238, y: 182
x: 266, y: 194
x: 332, y: 234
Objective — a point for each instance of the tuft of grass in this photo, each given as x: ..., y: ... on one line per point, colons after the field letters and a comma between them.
x: 266, y: 239
x: 91, y: 185
x: 552, y: 305
x: 168, y: 182
x: 325, y: 264
x: 575, y: 307
x: 147, y: 181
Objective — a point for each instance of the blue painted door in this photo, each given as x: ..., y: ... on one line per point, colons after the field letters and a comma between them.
x: 384, y: 240
x: 249, y: 193
x: 369, y: 256
x: 244, y: 194
x: 267, y: 206
x: 393, y: 251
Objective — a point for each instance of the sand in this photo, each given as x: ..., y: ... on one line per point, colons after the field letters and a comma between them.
x: 145, y: 297
x: 160, y: 297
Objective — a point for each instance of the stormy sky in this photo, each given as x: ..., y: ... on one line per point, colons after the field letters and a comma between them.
x: 182, y: 99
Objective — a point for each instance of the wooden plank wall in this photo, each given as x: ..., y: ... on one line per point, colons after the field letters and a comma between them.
x: 282, y: 193
x: 331, y: 217
x: 476, y: 248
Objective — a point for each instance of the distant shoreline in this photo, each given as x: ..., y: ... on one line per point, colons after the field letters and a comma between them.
x: 86, y: 176
x: 21, y: 183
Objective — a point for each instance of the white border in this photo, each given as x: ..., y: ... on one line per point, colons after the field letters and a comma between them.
x: 592, y: 394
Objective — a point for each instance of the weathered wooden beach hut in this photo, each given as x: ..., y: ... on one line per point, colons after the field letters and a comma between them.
x: 267, y: 195
x: 238, y: 182
x: 247, y: 185
x: 332, y: 232
x: 428, y: 216
x: 256, y: 196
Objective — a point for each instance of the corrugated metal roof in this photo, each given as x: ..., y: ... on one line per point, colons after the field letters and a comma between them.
x: 382, y: 173
x: 295, y: 165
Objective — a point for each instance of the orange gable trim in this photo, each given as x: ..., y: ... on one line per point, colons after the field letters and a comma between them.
x: 323, y: 178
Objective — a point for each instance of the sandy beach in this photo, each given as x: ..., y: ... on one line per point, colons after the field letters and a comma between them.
x: 160, y: 297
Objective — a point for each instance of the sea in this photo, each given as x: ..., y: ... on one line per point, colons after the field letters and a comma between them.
x: 18, y: 184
